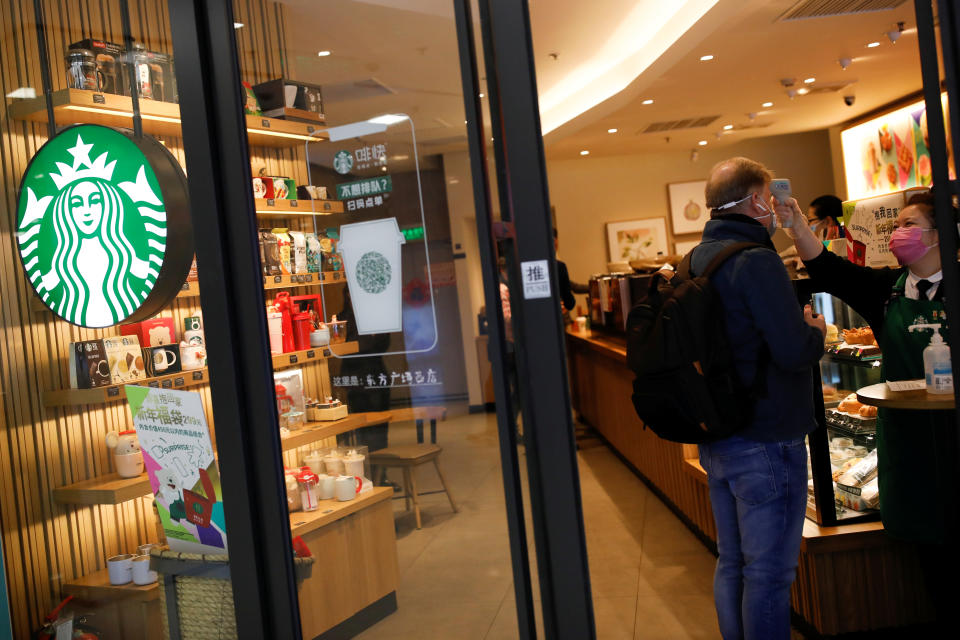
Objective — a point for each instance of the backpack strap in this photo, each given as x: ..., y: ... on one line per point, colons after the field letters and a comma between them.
x: 728, y: 252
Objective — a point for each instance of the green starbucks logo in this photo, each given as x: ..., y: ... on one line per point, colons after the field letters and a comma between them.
x: 373, y: 272
x: 343, y: 162
x: 92, y: 226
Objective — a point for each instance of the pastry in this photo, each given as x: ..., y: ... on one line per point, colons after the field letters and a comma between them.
x: 850, y: 404
x: 868, y: 411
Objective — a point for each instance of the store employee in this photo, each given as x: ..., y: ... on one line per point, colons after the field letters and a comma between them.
x: 917, y: 450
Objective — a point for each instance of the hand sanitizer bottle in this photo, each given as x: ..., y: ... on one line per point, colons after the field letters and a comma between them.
x: 936, y: 361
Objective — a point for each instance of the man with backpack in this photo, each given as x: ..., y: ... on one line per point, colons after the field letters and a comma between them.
x: 758, y: 475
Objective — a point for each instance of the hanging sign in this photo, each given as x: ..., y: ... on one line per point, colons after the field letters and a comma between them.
x: 103, y: 226
x: 178, y: 456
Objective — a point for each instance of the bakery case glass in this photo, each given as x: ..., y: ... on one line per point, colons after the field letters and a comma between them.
x: 842, y: 463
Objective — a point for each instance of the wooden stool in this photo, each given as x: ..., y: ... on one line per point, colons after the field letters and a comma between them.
x: 408, y: 457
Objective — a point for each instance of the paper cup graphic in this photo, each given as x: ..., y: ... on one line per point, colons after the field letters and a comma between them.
x: 371, y: 259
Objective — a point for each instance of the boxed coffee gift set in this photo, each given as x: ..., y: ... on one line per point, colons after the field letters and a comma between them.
x: 285, y: 252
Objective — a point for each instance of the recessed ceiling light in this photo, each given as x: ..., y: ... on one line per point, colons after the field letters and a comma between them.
x: 237, y: 25
x: 802, y: 91
x: 584, y: 153
x: 702, y: 143
x: 872, y: 45
x: 647, y: 101
x: 481, y: 95
x: 727, y: 127
x: 323, y: 54
x: 401, y: 157
x: 613, y: 130
x: 706, y: 58
x: 809, y: 81
x: 767, y: 105
x: 383, y: 168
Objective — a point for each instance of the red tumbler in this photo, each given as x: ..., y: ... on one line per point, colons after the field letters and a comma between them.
x: 302, y: 326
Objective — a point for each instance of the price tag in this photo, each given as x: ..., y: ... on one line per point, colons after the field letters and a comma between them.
x: 166, y: 384
x: 327, y: 206
x: 311, y: 128
x: 311, y: 354
x: 198, y: 375
x: 327, y: 353
x: 185, y: 287
x: 99, y: 98
x: 293, y: 203
x: 113, y: 392
x: 179, y: 382
x: 278, y: 279
x: 265, y: 124
x: 308, y: 278
x: 154, y: 384
x: 271, y: 202
x: 294, y: 360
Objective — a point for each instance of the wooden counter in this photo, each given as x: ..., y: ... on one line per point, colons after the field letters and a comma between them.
x: 850, y: 578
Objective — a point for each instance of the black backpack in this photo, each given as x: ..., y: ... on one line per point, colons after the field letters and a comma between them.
x: 686, y: 387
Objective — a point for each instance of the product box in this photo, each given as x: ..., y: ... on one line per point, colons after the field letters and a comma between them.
x: 125, y: 359
x: 88, y: 365
x: 153, y: 332
x: 275, y: 96
x: 868, y: 223
x: 162, y: 360
x: 859, y: 498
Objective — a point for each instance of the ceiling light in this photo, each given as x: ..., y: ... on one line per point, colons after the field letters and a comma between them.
x: 702, y: 143
x: 481, y: 95
x: 809, y: 81
x: 388, y: 119
x: 872, y: 45
x: 23, y: 92
x: 613, y: 130
x: 584, y: 153
x: 323, y: 54
x: 383, y: 168
x: 237, y: 25
x: 647, y: 101
x: 727, y: 127
x: 802, y: 91
x: 706, y: 58
x: 401, y: 157
x: 767, y: 105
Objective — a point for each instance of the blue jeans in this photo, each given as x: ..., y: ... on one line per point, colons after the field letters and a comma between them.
x: 759, y: 496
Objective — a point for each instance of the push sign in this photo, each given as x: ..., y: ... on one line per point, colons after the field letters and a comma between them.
x: 536, y: 279
x: 103, y: 226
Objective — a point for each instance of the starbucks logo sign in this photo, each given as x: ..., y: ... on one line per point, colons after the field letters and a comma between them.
x: 103, y: 226
x: 343, y: 162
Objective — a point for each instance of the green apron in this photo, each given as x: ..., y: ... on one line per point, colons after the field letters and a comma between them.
x: 916, y: 450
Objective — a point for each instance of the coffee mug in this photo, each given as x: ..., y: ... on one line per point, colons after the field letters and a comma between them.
x: 314, y: 460
x: 348, y: 487
x: 354, y: 465
x: 141, y: 571
x: 320, y: 337
x: 120, y: 569
x: 144, y: 549
x: 328, y: 486
x: 163, y: 359
x: 193, y: 356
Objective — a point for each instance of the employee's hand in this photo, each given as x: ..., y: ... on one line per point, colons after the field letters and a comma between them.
x: 815, y: 321
x: 788, y: 213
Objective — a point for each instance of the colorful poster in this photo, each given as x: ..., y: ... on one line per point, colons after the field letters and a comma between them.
x: 178, y: 456
x: 868, y: 223
x: 889, y: 153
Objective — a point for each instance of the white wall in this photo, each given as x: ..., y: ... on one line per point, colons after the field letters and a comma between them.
x: 590, y: 191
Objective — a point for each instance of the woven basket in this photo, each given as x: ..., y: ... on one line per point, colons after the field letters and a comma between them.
x: 203, y: 607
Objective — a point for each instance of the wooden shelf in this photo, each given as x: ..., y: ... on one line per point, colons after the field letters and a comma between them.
x: 296, y: 358
x: 189, y: 290
x: 330, y: 511
x: 285, y: 208
x: 317, y: 431
x: 114, y: 393
x: 305, y: 280
x: 880, y: 395
x: 96, y: 587
x: 108, y: 489
x: 159, y: 118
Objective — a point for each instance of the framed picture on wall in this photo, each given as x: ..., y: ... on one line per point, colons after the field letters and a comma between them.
x: 688, y: 206
x: 683, y: 247
x: 637, y: 239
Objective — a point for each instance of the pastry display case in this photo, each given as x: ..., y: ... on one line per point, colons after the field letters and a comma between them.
x: 842, y: 463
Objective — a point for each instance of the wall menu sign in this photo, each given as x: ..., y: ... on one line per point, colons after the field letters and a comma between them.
x: 103, y: 226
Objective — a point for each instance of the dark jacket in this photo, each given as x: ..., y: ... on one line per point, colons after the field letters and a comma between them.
x: 565, y: 290
x: 760, y: 307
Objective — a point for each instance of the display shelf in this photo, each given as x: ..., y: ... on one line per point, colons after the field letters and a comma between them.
x: 72, y: 106
x: 867, y: 361
x: 296, y: 358
x: 330, y: 511
x: 284, y: 208
x: 313, y: 432
x: 96, y: 586
x: 880, y: 395
x: 108, y: 489
x: 304, y: 280
x: 69, y: 397
x: 291, y: 113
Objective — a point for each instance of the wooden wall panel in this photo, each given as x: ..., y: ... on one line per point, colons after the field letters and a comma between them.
x: 47, y: 544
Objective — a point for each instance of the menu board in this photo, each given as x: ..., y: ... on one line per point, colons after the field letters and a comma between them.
x: 889, y: 153
x: 178, y: 456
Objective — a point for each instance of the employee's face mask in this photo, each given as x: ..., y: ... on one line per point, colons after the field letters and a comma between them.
x: 907, y: 244
x: 770, y: 226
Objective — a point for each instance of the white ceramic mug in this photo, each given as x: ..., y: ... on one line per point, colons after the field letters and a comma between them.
x: 141, y: 571
x: 328, y: 486
x: 144, y: 549
x: 162, y: 359
x: 120, y: 569
x: 320, y: 337
x: 348, y: 487
x: 129, y: 465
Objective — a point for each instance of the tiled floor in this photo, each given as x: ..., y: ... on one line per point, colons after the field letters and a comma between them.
x: 650, y: 576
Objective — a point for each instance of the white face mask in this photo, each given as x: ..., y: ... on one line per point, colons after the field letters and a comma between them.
x: 772, y: 227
